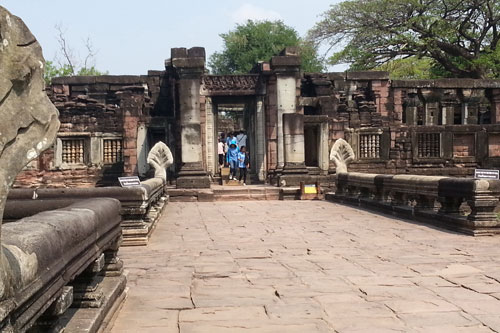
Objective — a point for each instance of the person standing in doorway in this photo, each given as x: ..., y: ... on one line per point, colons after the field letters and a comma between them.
x: 242, y: 139
x: 243, y: 164
x: 232, y: 159
x: 220, y: 151
x: 229, y: 138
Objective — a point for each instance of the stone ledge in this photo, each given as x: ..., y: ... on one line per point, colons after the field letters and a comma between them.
x: 48, y: 250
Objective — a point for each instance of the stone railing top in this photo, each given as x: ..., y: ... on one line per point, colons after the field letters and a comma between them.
x: 24, y: 202
x: 352, y: 76
x: 46, y: 251
x: 110, y: 79
x: 415, y: 184
x: 447, y: 83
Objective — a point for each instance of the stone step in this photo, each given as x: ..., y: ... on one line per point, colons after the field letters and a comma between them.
x: 245, y: 190
x: 289, y: 193
x: 247, y: 196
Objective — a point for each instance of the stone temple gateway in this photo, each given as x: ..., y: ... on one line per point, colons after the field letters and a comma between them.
x: 109, y: 123
x: 406, y: 148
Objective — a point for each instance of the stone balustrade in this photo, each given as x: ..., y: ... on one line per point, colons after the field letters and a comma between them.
x: 141, y: 206
x: 463, y: 204
x: 61, y: 268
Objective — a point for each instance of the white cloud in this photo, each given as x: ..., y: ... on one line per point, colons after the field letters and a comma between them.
x: 251, y: 12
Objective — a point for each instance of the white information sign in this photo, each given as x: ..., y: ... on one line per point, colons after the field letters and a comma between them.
x: 129, y: 181
x: 486, y: 174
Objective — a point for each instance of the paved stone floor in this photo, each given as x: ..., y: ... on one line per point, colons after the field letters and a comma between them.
x: 304, y: 266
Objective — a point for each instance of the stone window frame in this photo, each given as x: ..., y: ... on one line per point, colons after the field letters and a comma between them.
x: 355, y: 142
x: 416, y: 130
x: 58, y: 150
x: 360, y: 148
x: 93, y: 148
x: 109, y: 136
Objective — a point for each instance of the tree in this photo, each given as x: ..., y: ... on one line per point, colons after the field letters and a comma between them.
x: 460, y: 36
x: 70, y: 65
x: 257, y: 41
x: 411, y: 68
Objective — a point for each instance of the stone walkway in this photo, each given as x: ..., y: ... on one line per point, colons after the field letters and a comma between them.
x: 304, y: 266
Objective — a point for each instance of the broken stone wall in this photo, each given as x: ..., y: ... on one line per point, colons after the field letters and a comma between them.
x: 105, y: 124
x: 408, y: 126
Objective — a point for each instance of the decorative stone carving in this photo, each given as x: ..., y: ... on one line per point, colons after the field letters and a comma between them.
x: 342, y: 155
x: 231, y: 83
x: 28, y: 127
x: 160, y: 158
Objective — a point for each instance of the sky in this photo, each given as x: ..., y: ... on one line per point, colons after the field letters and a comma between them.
x: 131, y: 37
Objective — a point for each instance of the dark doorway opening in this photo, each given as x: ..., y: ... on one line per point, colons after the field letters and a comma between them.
x: 311, y: 144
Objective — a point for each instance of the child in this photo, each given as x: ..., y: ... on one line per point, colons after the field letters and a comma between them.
x: 232, y: 159
x: 243, y: 164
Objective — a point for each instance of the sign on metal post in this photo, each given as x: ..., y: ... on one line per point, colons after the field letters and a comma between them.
x: 129, y: 181
x: 486, y: 174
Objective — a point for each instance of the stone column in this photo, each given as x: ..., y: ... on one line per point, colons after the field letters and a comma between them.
x: 412, y: 103
x: 398, y: 106
x: 470, y: 107
x: 380, y: 89
x: 291, y: 155
x: 260, y: 139
x: 190, y: 66
x: 432, y: 98
x: 450, y: 102
x: 211, y: 138
x: 131, y: 104
x: 495, y: 106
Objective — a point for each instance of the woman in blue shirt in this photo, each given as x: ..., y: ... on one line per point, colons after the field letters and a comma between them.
x: 232, y: 158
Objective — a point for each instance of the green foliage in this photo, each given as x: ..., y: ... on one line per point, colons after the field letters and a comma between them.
x: 257, y: 41
x: 459, y: 36
x: 91, y: 71
x: 52, y: 70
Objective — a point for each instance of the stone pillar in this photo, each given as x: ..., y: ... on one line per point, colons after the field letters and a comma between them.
x: 211, y: 138
x: 495, y: 106
x: 324, y: 154
x: 380, y: 89
x: 131, y: 104
x: 260, y: 139
x: 291, y: 157
x: 431, y: 116
x: 450, y: 102
x: 190, y: 66
x: 398, y: 106
x: 142, y: 150
x: 412, y: 103
x: 470, y: 107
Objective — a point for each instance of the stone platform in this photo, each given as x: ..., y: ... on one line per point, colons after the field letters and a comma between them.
x: 307, y: 266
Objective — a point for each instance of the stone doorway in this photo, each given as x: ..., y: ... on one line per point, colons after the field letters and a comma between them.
x: 316, y: 134
x: 236, y: 113
x: 311, y: 143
